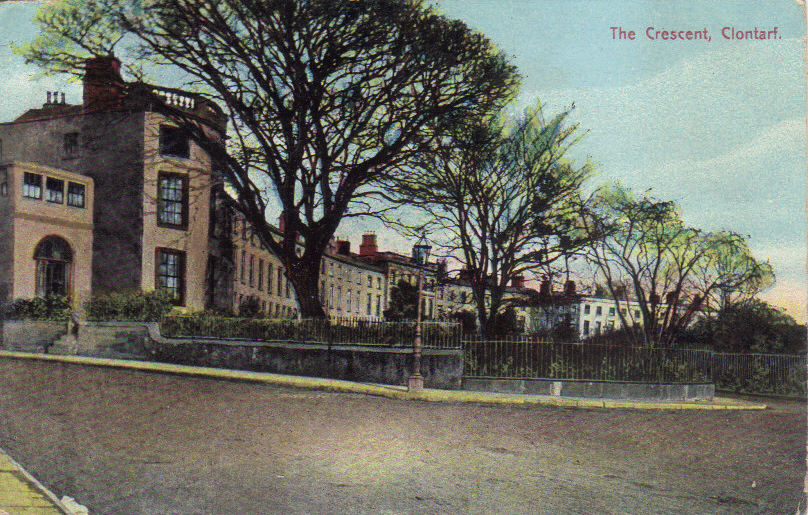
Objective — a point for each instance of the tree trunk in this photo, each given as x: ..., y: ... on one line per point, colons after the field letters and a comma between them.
x: 305, y: 278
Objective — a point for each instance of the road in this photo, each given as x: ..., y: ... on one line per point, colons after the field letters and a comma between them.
x: 130, y: 442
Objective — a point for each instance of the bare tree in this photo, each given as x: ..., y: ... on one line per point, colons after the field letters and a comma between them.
x: 671, y: 270
x: 500, y: 197
x: 324, y: 97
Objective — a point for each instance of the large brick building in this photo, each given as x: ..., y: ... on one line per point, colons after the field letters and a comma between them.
x: 110, y: 195
x: 151, y: 185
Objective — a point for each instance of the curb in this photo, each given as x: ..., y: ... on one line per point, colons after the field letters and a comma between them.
x: 27, y: 486
x: 388, y: 391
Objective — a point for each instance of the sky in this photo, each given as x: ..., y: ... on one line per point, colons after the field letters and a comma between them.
x: 717, y: 124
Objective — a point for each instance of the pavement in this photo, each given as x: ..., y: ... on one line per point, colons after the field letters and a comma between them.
x: 22, y: 494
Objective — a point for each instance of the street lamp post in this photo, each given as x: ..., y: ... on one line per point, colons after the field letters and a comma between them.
x: 420, y: 255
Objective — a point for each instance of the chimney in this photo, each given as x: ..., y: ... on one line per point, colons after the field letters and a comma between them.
x: 464, y: 275
x: 344, y: 248
x: 48, y: 101
x: 518, y: 281
x: 368, y: 247
x: 546, y: 288
x: 103, y: 85
x: 569, y: 288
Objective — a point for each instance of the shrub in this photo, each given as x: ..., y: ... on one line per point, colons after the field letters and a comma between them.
x: 129, y: 305
x: 250, y: 307
x: 52, y: 307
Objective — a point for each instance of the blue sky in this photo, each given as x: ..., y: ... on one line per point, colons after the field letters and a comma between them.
x: 717, y: 125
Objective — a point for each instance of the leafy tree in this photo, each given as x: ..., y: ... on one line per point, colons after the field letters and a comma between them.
x: 403, y: 302
x: 467, y: 320
x: 500, y: 197
x: 750, y: 326
x: 325, y: 97
x: 673, y: 271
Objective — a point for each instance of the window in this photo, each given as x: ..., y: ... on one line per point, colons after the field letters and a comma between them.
x: 32, y: 185
x: 599, y: 311
x: 54, y: 190
x: 379, y: 283
x: 358, y: 301
x: 71, y: 143
x: 359, y: 278
x: 611, y: 312
x: 261, y: 275
x: 637, y: 314
x: 252, y: 271
x: 288, y: 289
x: 243, y: 266
x: 597, y: 327
x: 586, y: 309
x: 3, y: 181
x: 586, y: 327
x: 348, y: 275
x: 378, y: 305
x: 170, y: 273
x: 339, y: 297
x: 174, y: 142
x: 172, y: 200
x: 370, y: 281
x: 348, y: 301
x: 269, y: 278
x: 53, y: 257
x: 330, y: 295
x: 75, y: 194
x: 331, y: 269
x: 370, y: 304
x: 280, y: 281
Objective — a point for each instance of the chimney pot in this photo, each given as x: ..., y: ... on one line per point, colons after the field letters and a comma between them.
x: 48, y: 101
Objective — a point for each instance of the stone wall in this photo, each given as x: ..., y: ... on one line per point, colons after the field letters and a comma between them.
x: 138, y: 340
x: 30, y: 335
x: 440, y: 368
x: 593, y: 389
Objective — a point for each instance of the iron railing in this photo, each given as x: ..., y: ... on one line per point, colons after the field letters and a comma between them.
x: 548, y: 360
x: 761, y: 373
x: 343, y: 331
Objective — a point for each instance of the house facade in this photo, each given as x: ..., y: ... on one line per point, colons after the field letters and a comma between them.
x: 46, y: 230
x: 111, y: 195
x: 150, y: 200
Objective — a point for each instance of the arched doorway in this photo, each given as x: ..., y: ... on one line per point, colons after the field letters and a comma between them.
x: 53, y: 258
